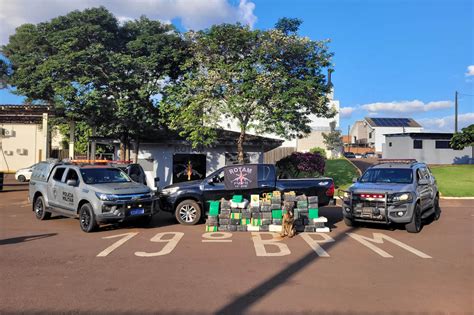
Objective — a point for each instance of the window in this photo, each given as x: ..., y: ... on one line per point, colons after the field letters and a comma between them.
x: 389, y: 144
x: 188, y: 167
x: 72, y: 175
x: 58, y: 174
x: 103, y: 175
x: 233, y: 158
x: 417, y: 144
x: 388, y: 175
x: 442, y: 144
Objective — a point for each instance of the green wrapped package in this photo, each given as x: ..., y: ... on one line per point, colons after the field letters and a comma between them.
x: 256, y: 222
x: 313, y: 213
x: 277, y: 214
x: 214, y: 207
x: 245, y: 222
x: 236, y: 216
x: 237, y: 198
x: 211, y: 228
x: 302, y: 204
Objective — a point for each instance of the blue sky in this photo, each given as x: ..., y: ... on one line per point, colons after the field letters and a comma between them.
x: 392, y: 58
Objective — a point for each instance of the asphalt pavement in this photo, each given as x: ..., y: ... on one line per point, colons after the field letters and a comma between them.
x: 53, y: 267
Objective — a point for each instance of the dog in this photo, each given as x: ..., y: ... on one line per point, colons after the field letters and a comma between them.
x: 288, y: 221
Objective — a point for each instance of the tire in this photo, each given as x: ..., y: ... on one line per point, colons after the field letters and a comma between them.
x: 437, y: 209
x: 87, y: 219
x: 188, y: 212
x: 349, y: 222
x: 21, y: 179
x: 415, y: 224
x: 40, y: 209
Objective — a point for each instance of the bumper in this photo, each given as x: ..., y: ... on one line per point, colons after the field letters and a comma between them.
x: 391, y: 213
x: 166, y: 202
x: 118, y: 211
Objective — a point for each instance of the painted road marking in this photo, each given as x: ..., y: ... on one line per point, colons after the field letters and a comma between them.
x: 217, y: 237
x: 379, y: 238
x: 261, y: 245
x: 314, y: 244
x: 168, y: 248
x: 114, y: 246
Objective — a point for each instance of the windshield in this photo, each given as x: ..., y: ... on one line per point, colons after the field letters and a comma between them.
x: 388, y: 175
x: 104, y: 175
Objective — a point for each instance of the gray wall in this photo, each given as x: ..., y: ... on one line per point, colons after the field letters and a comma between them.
x: 402, y: 148
x: 161, y: 155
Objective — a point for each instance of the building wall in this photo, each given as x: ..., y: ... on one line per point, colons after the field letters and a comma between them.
x: 161, y: 156
x: 378, y: 135
x: 402, y: 148
x: 358, y: 132
x: 23, y: 146
x: 314, y: 139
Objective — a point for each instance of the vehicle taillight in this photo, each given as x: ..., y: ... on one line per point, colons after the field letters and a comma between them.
x: 330, y: 191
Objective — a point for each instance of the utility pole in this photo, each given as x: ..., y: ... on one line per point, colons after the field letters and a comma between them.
x: 456, y: 111
x: 349, y: 138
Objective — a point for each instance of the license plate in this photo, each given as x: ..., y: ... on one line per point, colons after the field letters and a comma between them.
x: 137, y: 211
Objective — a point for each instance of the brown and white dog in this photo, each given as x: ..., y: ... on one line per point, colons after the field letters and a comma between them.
x: 288, y: 221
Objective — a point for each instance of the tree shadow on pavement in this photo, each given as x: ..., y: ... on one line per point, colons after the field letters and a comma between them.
x: 245, y: 301
x: 21, y: 239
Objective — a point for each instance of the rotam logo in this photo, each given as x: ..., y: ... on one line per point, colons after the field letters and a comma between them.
x: 240, y: 177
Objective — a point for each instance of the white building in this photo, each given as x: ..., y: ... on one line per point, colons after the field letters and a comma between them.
x: 431, y: 148
x: 372, y: 131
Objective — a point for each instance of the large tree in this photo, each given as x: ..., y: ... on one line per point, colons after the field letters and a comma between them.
x: 97, y: 70
x: 463, y: 139
x: 265, y: 81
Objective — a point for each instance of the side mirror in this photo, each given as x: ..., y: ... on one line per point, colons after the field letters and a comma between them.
x: 71, y: 182
x: 423, y: 181
x: 355, y: 179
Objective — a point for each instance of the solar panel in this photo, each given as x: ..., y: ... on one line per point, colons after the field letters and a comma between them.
x: 391, y: 122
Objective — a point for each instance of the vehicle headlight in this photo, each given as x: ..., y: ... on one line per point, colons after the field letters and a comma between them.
x: 402, y: 197
x: 106, y: 197
x: 169, y: 191
x: 346, y: 195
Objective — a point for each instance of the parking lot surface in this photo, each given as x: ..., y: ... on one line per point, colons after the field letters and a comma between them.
x: 53, y: 267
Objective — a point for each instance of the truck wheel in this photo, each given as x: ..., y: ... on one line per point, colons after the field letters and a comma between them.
x: 21, y: 179
x: 415, y: 224
x: 349, y: 222
x: 87, y: 219
x: 437, y: 209
x: 40, y: 209
x: 188, y: 212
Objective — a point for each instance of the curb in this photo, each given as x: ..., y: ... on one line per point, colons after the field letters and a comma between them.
x: 458, y: 198
x: 358, y: 170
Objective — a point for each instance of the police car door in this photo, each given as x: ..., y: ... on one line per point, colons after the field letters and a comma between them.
x: 69, y: 192
x: 54, y: 186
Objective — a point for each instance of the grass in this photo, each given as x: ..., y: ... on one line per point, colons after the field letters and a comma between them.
x: 342, y: 171
x: 455, y: 180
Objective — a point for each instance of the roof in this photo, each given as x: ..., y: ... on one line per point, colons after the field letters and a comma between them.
x: 224, y: 137
x: 423, y: 135
x: 391, y: 122
x: 24, y: 114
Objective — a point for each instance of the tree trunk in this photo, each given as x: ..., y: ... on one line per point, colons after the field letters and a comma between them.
x: 240, y: 146
x: 137, y: 145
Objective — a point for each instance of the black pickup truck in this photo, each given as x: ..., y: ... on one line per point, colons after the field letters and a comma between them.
x: 187, y: 200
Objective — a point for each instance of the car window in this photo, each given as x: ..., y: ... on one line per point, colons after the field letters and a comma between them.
x: 219, y: 177
x: 388, y: 175
x: 103, y: 175
x: 58, y: 174
x: 71, y: 175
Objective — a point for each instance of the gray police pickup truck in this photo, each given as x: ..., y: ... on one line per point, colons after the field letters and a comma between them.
x: 393, y: 192
x: 95, y: 194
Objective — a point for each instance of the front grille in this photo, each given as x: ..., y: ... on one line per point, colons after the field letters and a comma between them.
x: 369, y: 209
x: 132, y: 197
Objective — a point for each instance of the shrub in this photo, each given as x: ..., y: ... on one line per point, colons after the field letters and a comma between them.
x: 319, y: 150
x: 296, y: 164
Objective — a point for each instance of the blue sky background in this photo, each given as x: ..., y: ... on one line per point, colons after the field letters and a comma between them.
x: 392, y: 58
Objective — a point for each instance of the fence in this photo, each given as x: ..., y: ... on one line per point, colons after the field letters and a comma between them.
x: 273, y: 156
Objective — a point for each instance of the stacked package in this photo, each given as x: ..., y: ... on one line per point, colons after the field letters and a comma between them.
x: 264, y: 213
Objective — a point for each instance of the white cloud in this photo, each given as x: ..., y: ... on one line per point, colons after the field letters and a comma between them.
x: 194, y: 14
x: 470, y: 71
x: 405, y: 107
x: 446, y: 124
x: 346, y: 112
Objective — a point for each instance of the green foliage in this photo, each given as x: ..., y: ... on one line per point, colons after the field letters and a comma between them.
x: 319, y: 150
x: 265, y: 81
x: 94, y: 69
x: 4, y: 73
x: 342, y: 171
x: 333, y: 140
x: 288, y: 25
x: 463, y: 139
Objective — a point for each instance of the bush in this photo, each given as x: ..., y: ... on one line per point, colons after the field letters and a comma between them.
x: 301, y: 164
x: 319, y: 150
